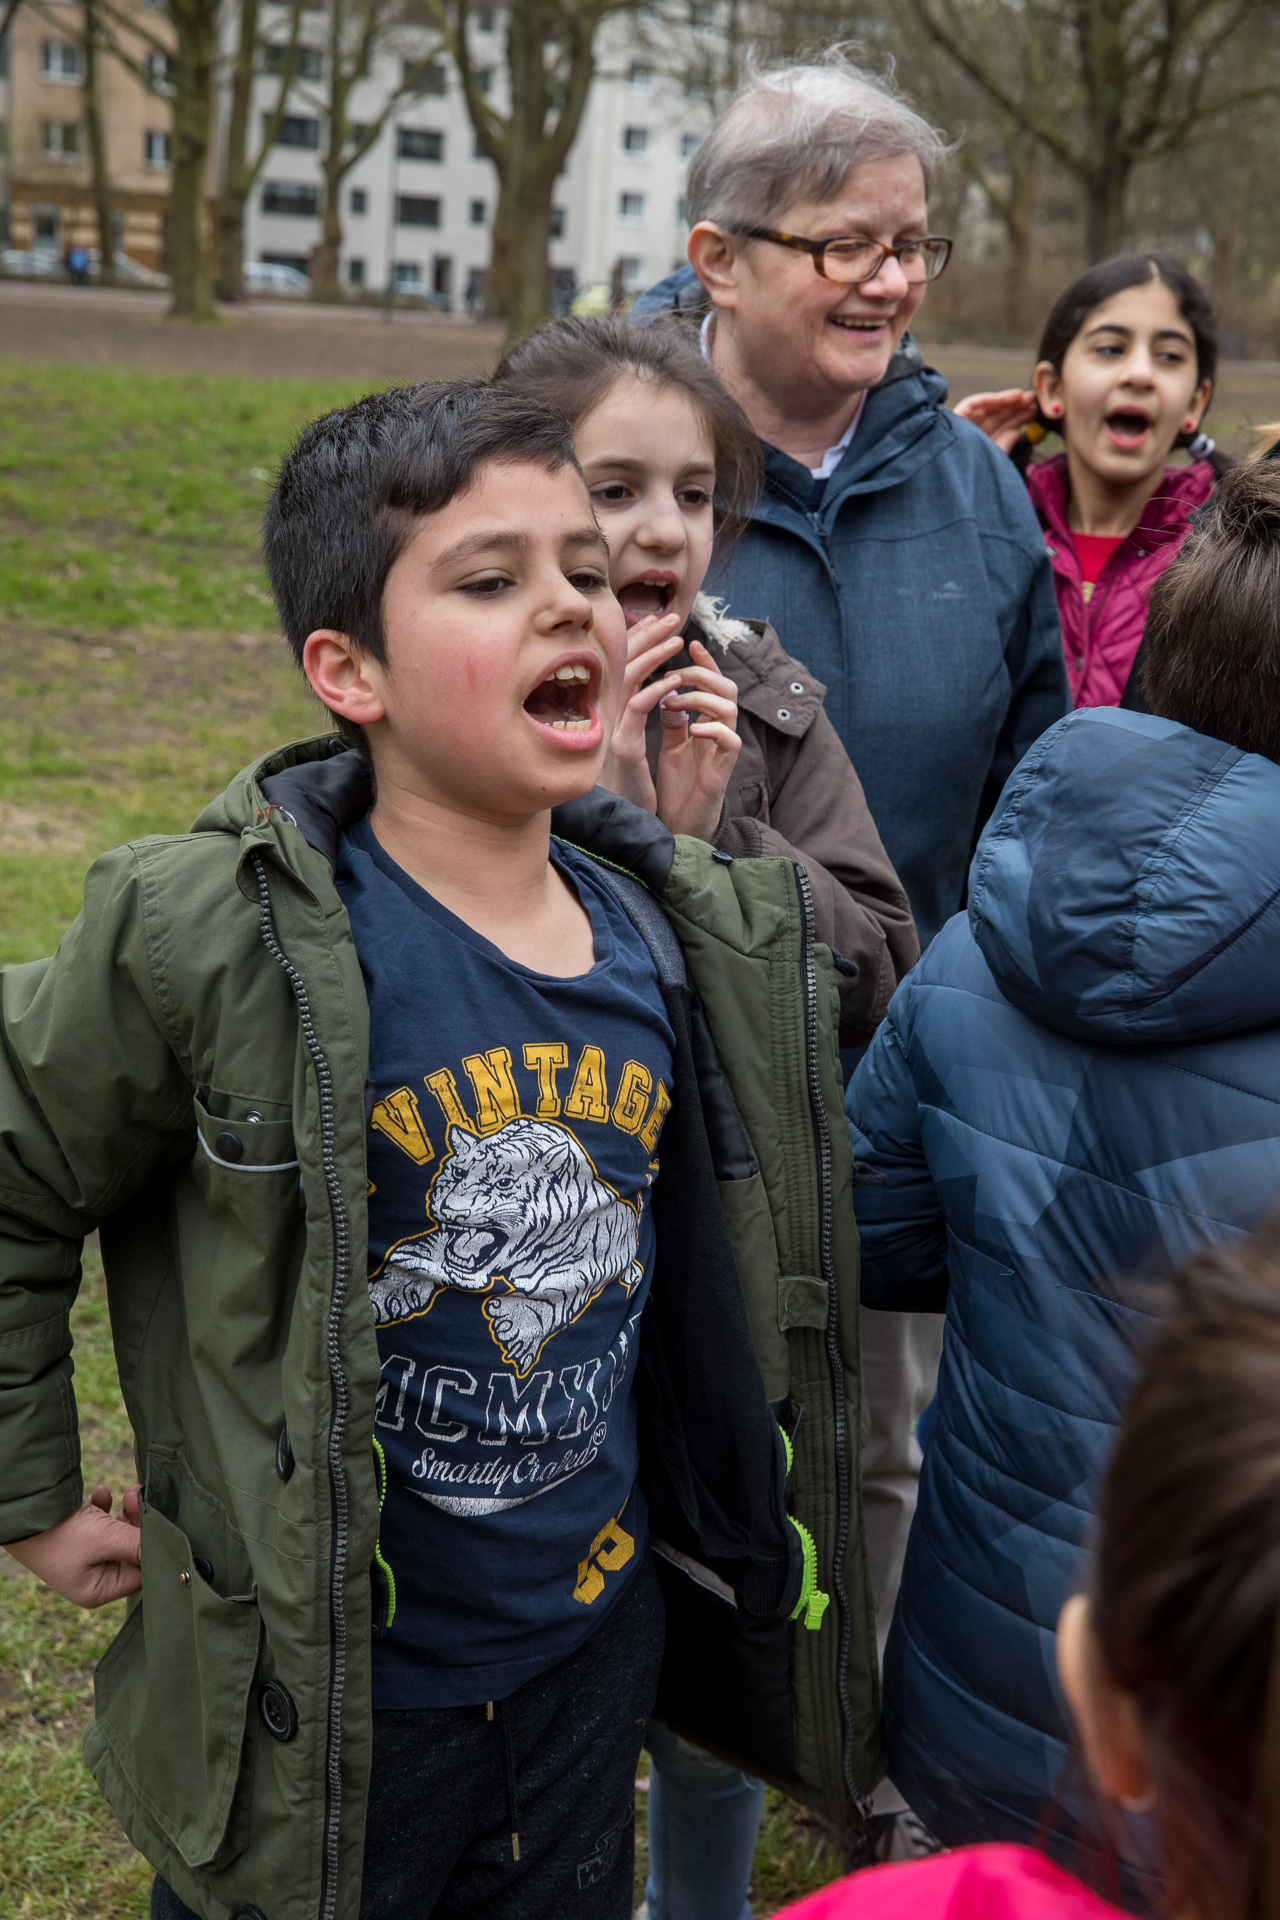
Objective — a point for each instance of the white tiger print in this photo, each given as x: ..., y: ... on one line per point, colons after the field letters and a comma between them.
x: 526, y: 1207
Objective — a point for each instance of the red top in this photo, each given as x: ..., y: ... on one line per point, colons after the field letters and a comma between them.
x: 1101, y: 629
x: 1093, y: 550
x: 973, y: 1883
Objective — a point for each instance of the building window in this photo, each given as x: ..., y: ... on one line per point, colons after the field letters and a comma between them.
x: 680, y: 219
x: 477, y: 149
x: 476, y: 213
x: 355, y: 273
x: 359, y: 201
x: 635, y: 140
x: 419, y: 143
x: 287, y: 196
x: 432, y: 79
x: 485, y: 19
x: 46, y: 225
x: 60, y: 139
x: 310, y: 63
x: 484, y: 78
x: 557, y: 223
x: 298, y: 130
x: 640, y: 76
x: 298, y: 261
x: 162, y: 68
x: 61, y: 60
x: 442, y: 275
x: 689, y: 144
x: 700, y: 15
x: 412, y: 210
x: 632, y: 271
x: 156, y: 149
x: 406, y: 273
x: 631, y: 207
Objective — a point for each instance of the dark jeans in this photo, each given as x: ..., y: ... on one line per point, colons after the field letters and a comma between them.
x: 556, y: 1765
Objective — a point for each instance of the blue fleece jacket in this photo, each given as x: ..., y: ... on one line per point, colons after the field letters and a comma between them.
x: 1080, y: 1079
x: 919, y: 591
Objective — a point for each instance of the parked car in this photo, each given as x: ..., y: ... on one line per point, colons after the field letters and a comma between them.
x: 272, y: 276
x: 129, y: 271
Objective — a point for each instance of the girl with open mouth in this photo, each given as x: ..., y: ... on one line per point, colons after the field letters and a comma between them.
x: 721, y: 732
x: 1125, y: 375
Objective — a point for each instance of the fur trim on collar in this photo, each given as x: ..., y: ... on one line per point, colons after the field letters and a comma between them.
x: 715, y: 623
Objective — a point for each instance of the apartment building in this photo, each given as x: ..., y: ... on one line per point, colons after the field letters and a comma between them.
x: 46, y: 183
x: 417, y: 209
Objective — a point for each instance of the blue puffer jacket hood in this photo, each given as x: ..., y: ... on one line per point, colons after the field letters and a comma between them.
x: 1128, y: 887
x: 1079, y: 1081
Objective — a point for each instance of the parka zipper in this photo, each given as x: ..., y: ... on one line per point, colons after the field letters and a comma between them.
x: 339, y: 1405
x: 822, y: 1142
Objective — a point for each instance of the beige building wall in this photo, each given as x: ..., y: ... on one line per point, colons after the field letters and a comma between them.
x: 49, y: 177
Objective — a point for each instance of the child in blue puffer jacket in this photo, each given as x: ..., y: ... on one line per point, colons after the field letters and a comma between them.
x: 1081, y: 1075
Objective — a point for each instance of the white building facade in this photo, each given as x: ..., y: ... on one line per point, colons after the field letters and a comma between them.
x: 418, y: 207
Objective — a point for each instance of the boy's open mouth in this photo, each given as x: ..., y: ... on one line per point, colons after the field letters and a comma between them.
x: 563, y: 700
x: 1127, y: 426
x: 652, y: 594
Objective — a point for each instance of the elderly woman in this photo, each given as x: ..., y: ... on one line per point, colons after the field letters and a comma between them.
x: 898, y: 556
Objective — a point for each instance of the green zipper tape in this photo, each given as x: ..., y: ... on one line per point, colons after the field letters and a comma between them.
x: 377, y: 1545
x: 813, y: 1602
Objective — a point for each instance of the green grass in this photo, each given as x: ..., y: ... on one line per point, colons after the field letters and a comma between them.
x: 141, y: 668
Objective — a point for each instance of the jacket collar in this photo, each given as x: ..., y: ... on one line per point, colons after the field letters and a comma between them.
x: 1164, y: 518
x: 318, y: 787
x: 897, y: 433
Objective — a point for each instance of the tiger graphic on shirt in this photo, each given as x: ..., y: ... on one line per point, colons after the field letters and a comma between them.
x: 522, y: 1207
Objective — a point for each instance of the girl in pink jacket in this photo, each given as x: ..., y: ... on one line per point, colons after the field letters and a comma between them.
x: 1171, y: 1662
x: 1125, y: 374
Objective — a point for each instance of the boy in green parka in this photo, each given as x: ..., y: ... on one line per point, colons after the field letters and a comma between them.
x: 410, y: 1151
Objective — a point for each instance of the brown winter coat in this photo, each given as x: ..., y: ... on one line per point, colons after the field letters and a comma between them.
x: 794, y: 792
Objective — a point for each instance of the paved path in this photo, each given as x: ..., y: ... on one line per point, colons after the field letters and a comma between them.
x: 270, y: 339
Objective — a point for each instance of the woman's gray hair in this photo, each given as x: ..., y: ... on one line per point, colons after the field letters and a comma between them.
x: 795, y: 133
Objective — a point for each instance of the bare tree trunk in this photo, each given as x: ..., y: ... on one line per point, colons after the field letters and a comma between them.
x: 236, y: 179
x: 196, y: 22
x: 495, y: 280
x: 1105, y: 195
x: 98, y: 147
x: 1019, y: 223
x: 527, y: 296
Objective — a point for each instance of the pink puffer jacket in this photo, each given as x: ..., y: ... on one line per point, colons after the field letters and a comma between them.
x: 974, y: 1883
x: 1100, y: 639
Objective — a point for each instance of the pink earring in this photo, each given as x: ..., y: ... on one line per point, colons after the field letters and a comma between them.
x: 1188, y: 426
x: 1056, y: 408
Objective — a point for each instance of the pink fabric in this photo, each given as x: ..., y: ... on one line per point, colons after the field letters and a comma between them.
x: 1100, y: 639
x: 973, y: 1883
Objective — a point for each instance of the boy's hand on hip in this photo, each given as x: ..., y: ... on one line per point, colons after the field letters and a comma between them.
x: 91, y: 1557
x: 699, y: 747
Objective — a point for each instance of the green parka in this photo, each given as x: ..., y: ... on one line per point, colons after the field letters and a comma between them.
x: 187, y: 1075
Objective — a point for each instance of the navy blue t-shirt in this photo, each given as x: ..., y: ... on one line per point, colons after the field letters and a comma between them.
x: 513, y: 1133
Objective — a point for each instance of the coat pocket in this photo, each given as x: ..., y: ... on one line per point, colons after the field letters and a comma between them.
x: 171, y: 1695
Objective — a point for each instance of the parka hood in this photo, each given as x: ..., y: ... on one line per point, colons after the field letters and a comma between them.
x: 1127, y: 888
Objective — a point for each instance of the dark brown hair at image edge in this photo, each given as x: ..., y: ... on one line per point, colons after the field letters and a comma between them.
x: 1212, y: 655
x: 1188, y: 1579
x: 571, y: 364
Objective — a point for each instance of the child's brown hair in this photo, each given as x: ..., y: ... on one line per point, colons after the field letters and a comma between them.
x: 1187, y: 1594
x: 571, y: 364
x: 1212, y: 653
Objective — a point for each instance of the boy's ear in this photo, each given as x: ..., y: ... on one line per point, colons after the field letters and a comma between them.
x: 344, y: 678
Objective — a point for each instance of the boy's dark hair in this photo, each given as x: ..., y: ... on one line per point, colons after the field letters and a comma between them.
x: 571, y: 364
x: 1187, y: 1590
x: 1099, y: 284
x: 354, y: 486
x: 1212, y: 653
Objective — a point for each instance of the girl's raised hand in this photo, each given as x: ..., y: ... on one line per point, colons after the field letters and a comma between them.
x: 626, y: 770
x: 1001, y: 416
x: 699, y: 745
